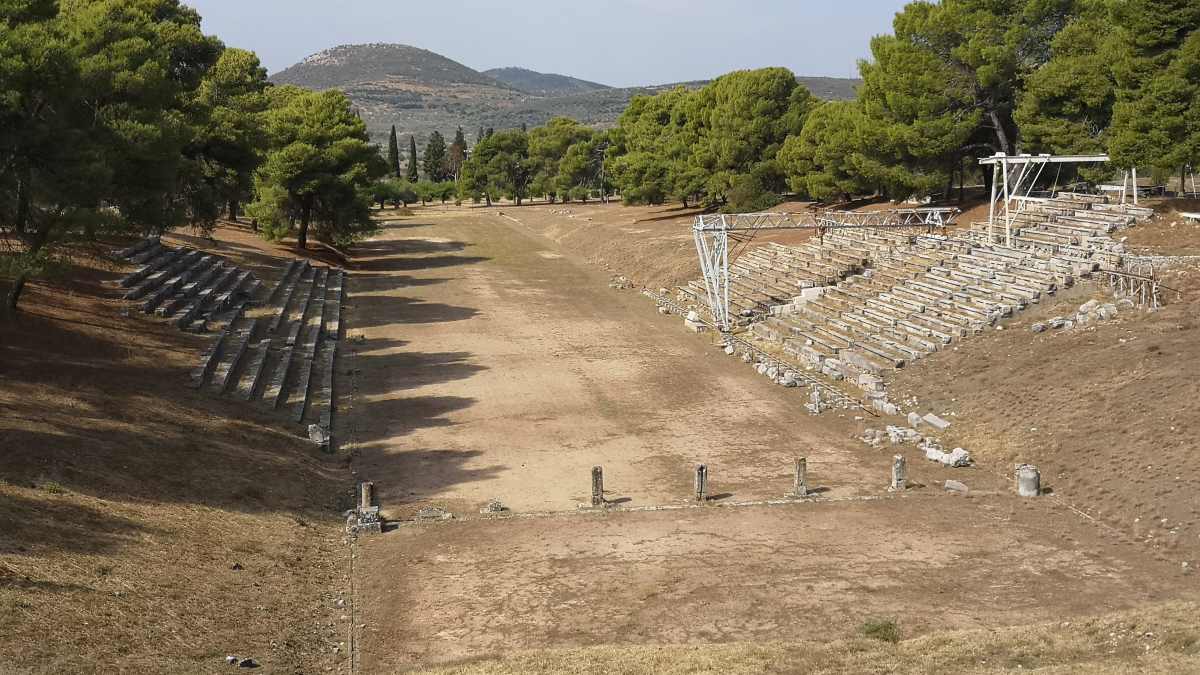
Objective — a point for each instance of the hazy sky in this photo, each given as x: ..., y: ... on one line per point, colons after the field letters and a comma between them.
x: 615, y: 42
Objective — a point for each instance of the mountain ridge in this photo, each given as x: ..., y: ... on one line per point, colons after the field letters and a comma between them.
x: 543, y: 84
x: 420, y: 91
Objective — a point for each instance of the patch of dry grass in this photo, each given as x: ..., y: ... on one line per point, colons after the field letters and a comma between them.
x: 1161, y: 639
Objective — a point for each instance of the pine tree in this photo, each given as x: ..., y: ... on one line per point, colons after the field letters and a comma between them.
x: 412, y: 160
x: 394, y: 153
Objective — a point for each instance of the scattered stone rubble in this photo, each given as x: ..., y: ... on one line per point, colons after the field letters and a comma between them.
x: 1092, y: 311
x: 897, y: 435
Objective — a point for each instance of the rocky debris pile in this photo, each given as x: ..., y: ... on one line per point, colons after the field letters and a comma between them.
x: 620, y: 282
x: 494, y: 506
x: 1092, y: 311
x: 896, y: 435
x: 955, y: 458
x: 434, y: 513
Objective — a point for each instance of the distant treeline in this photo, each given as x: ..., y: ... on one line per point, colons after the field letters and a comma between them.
x: 956, y: 81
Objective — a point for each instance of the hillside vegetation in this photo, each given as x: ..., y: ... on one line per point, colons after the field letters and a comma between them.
x: 543, y: 84
x: 421, y: 92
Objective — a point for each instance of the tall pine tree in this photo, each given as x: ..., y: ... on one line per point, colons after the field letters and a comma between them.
x: 394, y: 154
x: 412, y: 160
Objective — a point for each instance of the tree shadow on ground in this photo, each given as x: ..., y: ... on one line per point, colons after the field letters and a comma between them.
x: 383, y: 371
x: 369, y: 311
x: 382, y: 421
x: 32, y: 525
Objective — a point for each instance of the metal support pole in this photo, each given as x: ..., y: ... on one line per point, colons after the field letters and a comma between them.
x: 992, y: 205
x: 1007, y: 221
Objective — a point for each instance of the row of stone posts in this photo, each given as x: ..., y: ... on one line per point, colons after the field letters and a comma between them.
x: 1028, y: 480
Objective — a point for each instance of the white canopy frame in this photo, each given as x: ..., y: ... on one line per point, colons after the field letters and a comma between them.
x: 1013, y: 178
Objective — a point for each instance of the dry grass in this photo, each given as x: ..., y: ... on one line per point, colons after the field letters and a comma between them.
x: 1163, y: 639
x: 145, y: 525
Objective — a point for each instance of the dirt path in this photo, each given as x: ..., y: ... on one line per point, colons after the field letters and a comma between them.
x: 495, y: 367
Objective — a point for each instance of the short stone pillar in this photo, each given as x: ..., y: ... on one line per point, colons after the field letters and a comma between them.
x: 597, y: 486
x: 899, y: 474
x: 701, y: 483
x: 1029, y: 480
x: 366, y: 495
x: 800, y: 483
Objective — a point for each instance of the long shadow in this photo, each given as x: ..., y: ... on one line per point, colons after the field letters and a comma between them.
x: 384, y: 420
x: 416, y: 475
x: 414, y: 264
x: 30, y: 526
x: 384, y: 310
x: 384, y: 373
x: 378, y: 282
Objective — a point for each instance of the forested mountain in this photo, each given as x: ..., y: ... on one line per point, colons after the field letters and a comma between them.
x: 421, y: 92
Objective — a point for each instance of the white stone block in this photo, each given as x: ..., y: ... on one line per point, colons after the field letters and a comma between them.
x: 936, y: 422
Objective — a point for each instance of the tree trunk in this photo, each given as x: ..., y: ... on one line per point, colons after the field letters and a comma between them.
x: 14, y: 295
x: 21, y: 223
x: 487, y: 199
x: 233, y: 210
x: 305, y: 219
x: 685, y: 201
x: 962, y: 179
x: 1001, y: 134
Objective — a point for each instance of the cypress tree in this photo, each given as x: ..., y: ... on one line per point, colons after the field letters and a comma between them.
x: 435, y: 158
x: 412, y: 159
x: 394, y: 153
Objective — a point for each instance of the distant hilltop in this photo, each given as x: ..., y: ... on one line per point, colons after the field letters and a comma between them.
x: 421, y: 91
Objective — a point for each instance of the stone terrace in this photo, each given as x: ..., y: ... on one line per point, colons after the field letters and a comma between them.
x: 864, y: 301
x: 284, y: 359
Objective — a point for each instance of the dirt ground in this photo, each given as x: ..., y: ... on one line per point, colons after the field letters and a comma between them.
x: 493, y: 367
x: 144, y: 525
x: 496, y: 363
x: 483, y: 588
x: 1107, y: 411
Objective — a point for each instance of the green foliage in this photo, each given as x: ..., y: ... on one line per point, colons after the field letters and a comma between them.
x: 750, y: 194
x: 500, y: 166
x: 101, y: 103
x: 1160, y: 127
x: 320, y: 169
x: 549, y: 146
x: 884, y: 630
x: 231, y: 143
x: 825, y: 161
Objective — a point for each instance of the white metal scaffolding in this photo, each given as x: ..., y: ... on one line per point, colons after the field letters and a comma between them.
x: 711, y: 233
x: 1013, y: 179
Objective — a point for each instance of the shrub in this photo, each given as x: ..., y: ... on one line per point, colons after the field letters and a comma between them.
x: 884, y: 630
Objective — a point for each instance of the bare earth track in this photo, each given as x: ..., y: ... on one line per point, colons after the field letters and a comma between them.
x: 495, y: 364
